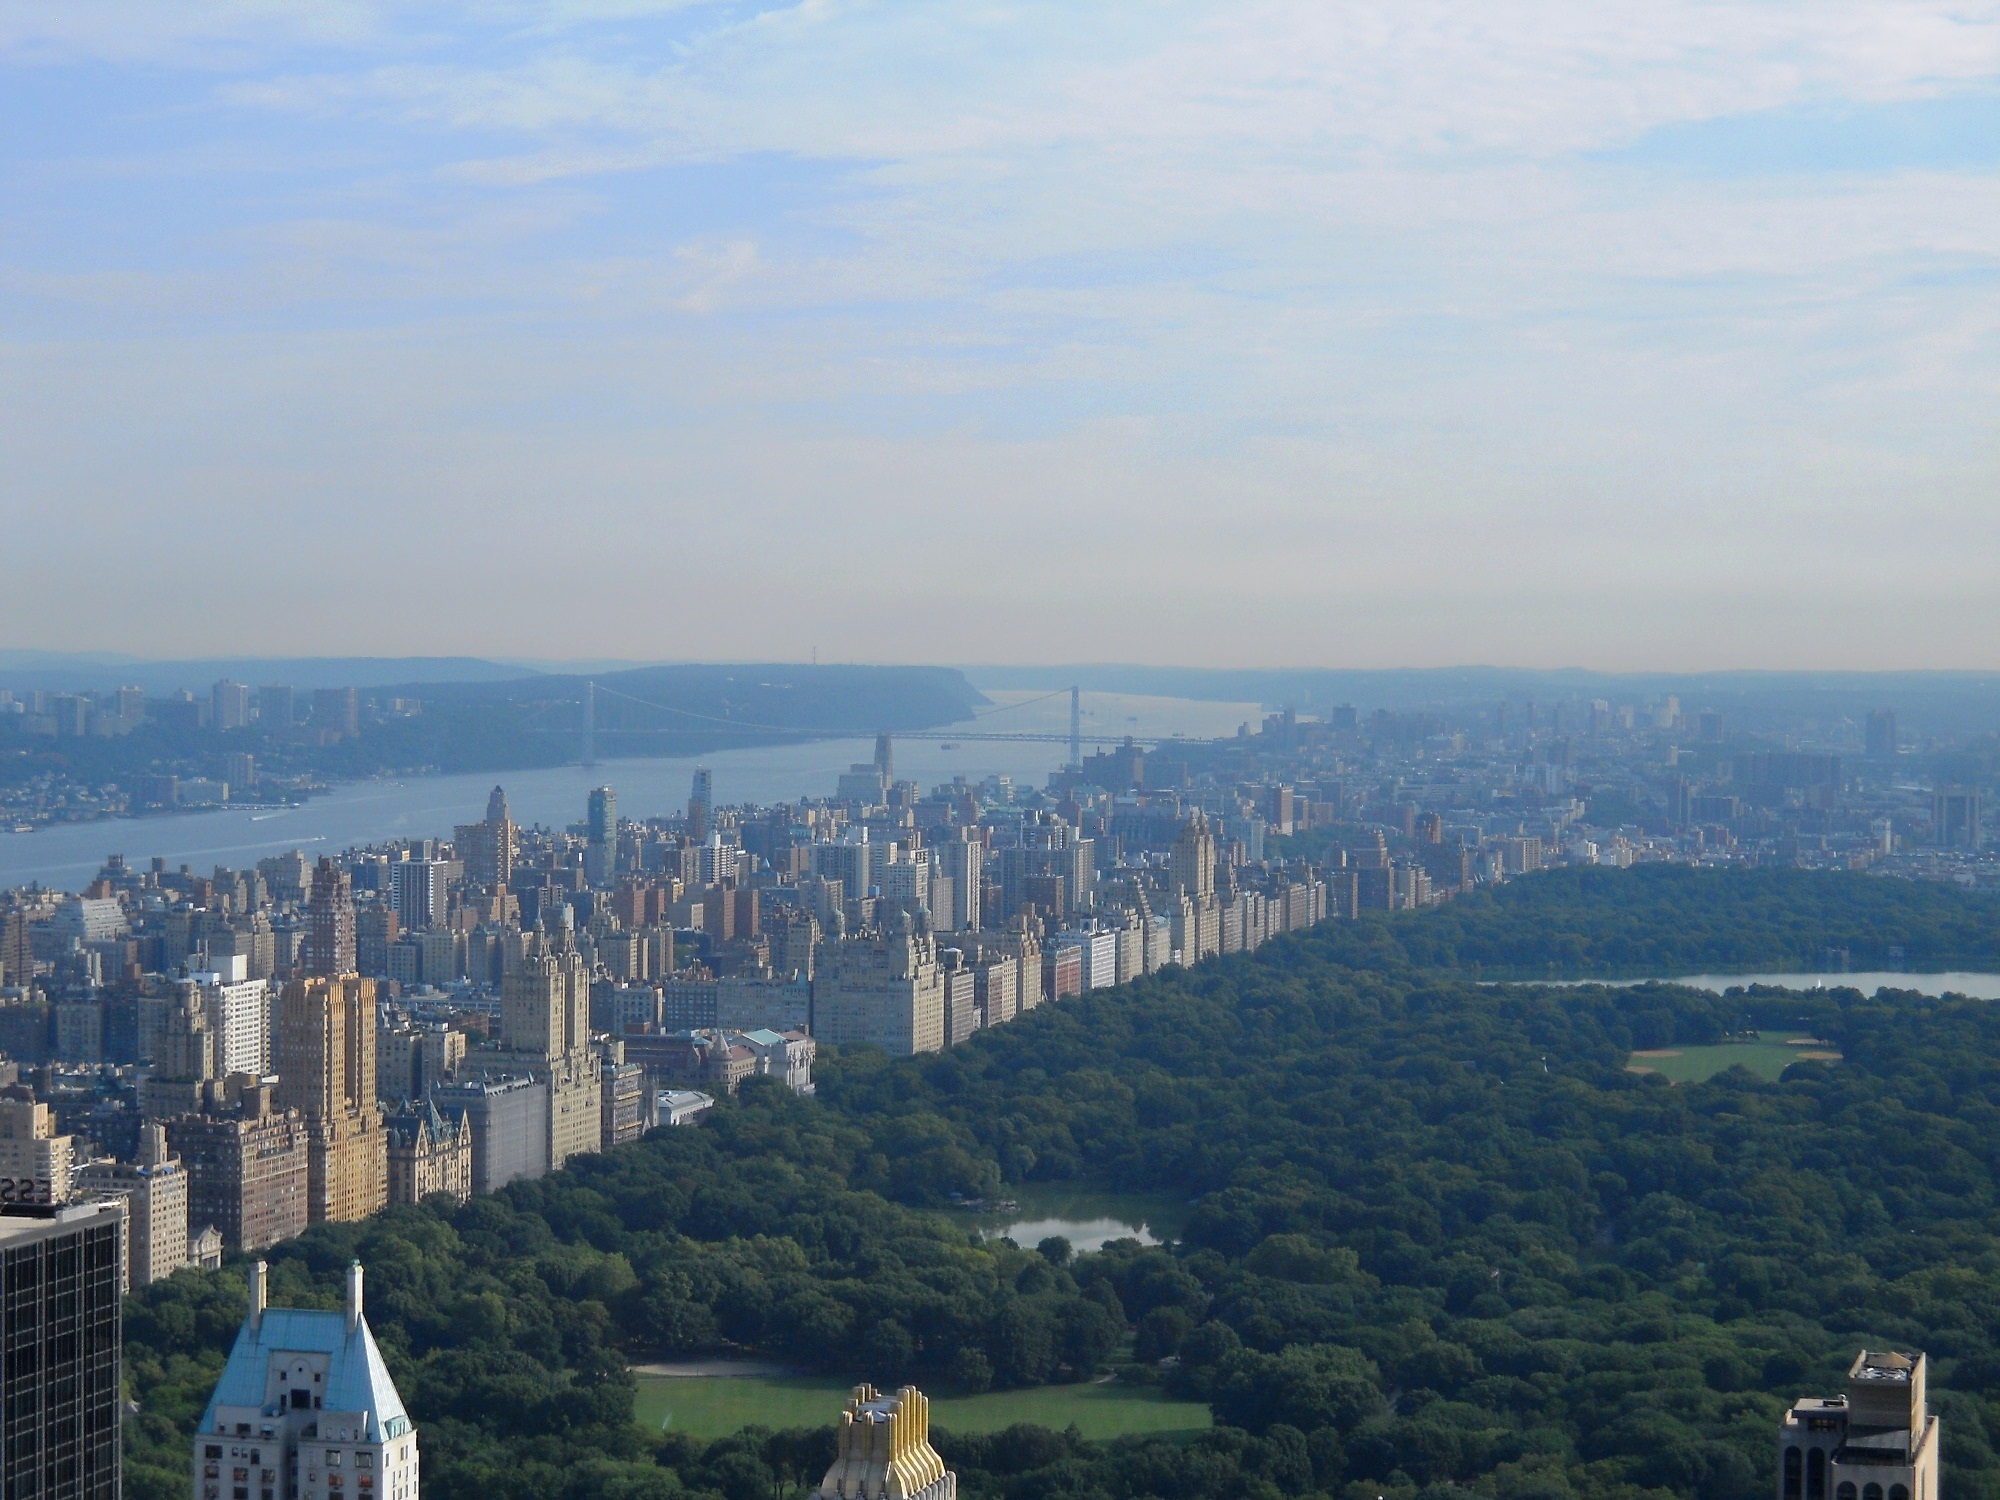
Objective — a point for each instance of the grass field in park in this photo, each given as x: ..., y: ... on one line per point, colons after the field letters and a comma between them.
x: 713, y: 1406
x: 1767, y: 1057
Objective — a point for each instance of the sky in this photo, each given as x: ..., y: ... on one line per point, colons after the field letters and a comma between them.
x: 1657, y: 335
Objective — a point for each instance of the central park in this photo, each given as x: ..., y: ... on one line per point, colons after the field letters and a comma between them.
x: 1394, y: 1229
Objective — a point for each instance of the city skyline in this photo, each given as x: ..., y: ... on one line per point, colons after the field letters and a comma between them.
x: 1282, y: 334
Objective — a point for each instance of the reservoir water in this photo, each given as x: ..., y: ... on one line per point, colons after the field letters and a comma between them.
x: 66, y: 855
x: 1953, y: 982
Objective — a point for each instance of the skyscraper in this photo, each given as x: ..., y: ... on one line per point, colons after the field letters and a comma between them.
x: 488, y: 848
x: 883, y: 1448
x: 330, y: 921
x: 326, y: 1071
x: 337, y: 711
x: 1191, y: 864
x: 417, y: 891
x: 962, y: 860
x: 1955, y: 817
x: 701, y: 804
x: 60, y: 1326
x: 600, y: 856
x: 229, y: 705
x: 545, y: 1033
x: 1881, y: 740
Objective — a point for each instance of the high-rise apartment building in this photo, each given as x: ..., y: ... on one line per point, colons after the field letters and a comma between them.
x: 545, y: 1035
x: 411, y: 1060
x: 1878, y: 1441
x: 885, y: 990
x: 1955, y: 818
x: 305, y: 1410
x: 509, y: 1122
x: 961, y: 859
x: 600, y: 852
x: 35, y: 1162
x: 1191, y: 863
x: 417, y: 893
x: 238, y: 1011
x: 326, y: 1071
x: 246, y: 1166
x: 487, y: 848
x: 229, y: 705
x: 1881, y: 734
x: 329, y: 947
x: 60, y: 1325
x: 337, y: 711
x: 155, y: 1190
x: 701, y: 804
x: 906, y: 880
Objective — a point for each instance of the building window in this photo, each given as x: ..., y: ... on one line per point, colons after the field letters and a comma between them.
x: 1845, y: 1492
x: 1816, y: 1474
x: 1871, y: 1491
x: 1794, y: 1474
x: 1899, y: 1492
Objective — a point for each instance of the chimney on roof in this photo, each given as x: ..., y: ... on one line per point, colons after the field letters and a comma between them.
x: 257, y: 1295
x: 353, y: 1295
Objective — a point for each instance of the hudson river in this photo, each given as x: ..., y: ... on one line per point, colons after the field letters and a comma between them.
x: 66, y: 855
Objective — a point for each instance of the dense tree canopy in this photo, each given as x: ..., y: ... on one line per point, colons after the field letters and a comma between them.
x: 1674, y: 919
x: 1439, y: 1239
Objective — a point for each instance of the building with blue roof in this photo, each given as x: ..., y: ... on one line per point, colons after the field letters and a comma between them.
x: 305, y: 1410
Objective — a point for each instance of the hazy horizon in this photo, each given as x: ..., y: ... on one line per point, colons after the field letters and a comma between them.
x: 1235, y: 337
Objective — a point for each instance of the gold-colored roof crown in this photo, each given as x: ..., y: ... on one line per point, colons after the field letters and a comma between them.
x: 885, y: 1451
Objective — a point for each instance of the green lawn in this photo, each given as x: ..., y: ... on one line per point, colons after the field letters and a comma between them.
x: 710, y: 1406
x: 1766, y: 1057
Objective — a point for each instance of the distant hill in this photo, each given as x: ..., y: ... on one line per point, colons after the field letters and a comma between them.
x: 412, y: 721
x: 55, y: 671
x: 1927, y: 702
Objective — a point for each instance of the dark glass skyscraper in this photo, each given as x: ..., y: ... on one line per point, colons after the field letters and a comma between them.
x: 600, y: 857
x: 61, y: 1340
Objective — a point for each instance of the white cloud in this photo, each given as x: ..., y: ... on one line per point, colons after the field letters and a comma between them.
x: 1331, y: 323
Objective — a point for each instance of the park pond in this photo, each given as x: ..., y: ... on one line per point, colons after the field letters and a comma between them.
x: 1088, y: 1216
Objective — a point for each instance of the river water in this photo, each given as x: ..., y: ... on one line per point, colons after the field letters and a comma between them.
x: 66, y: 855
